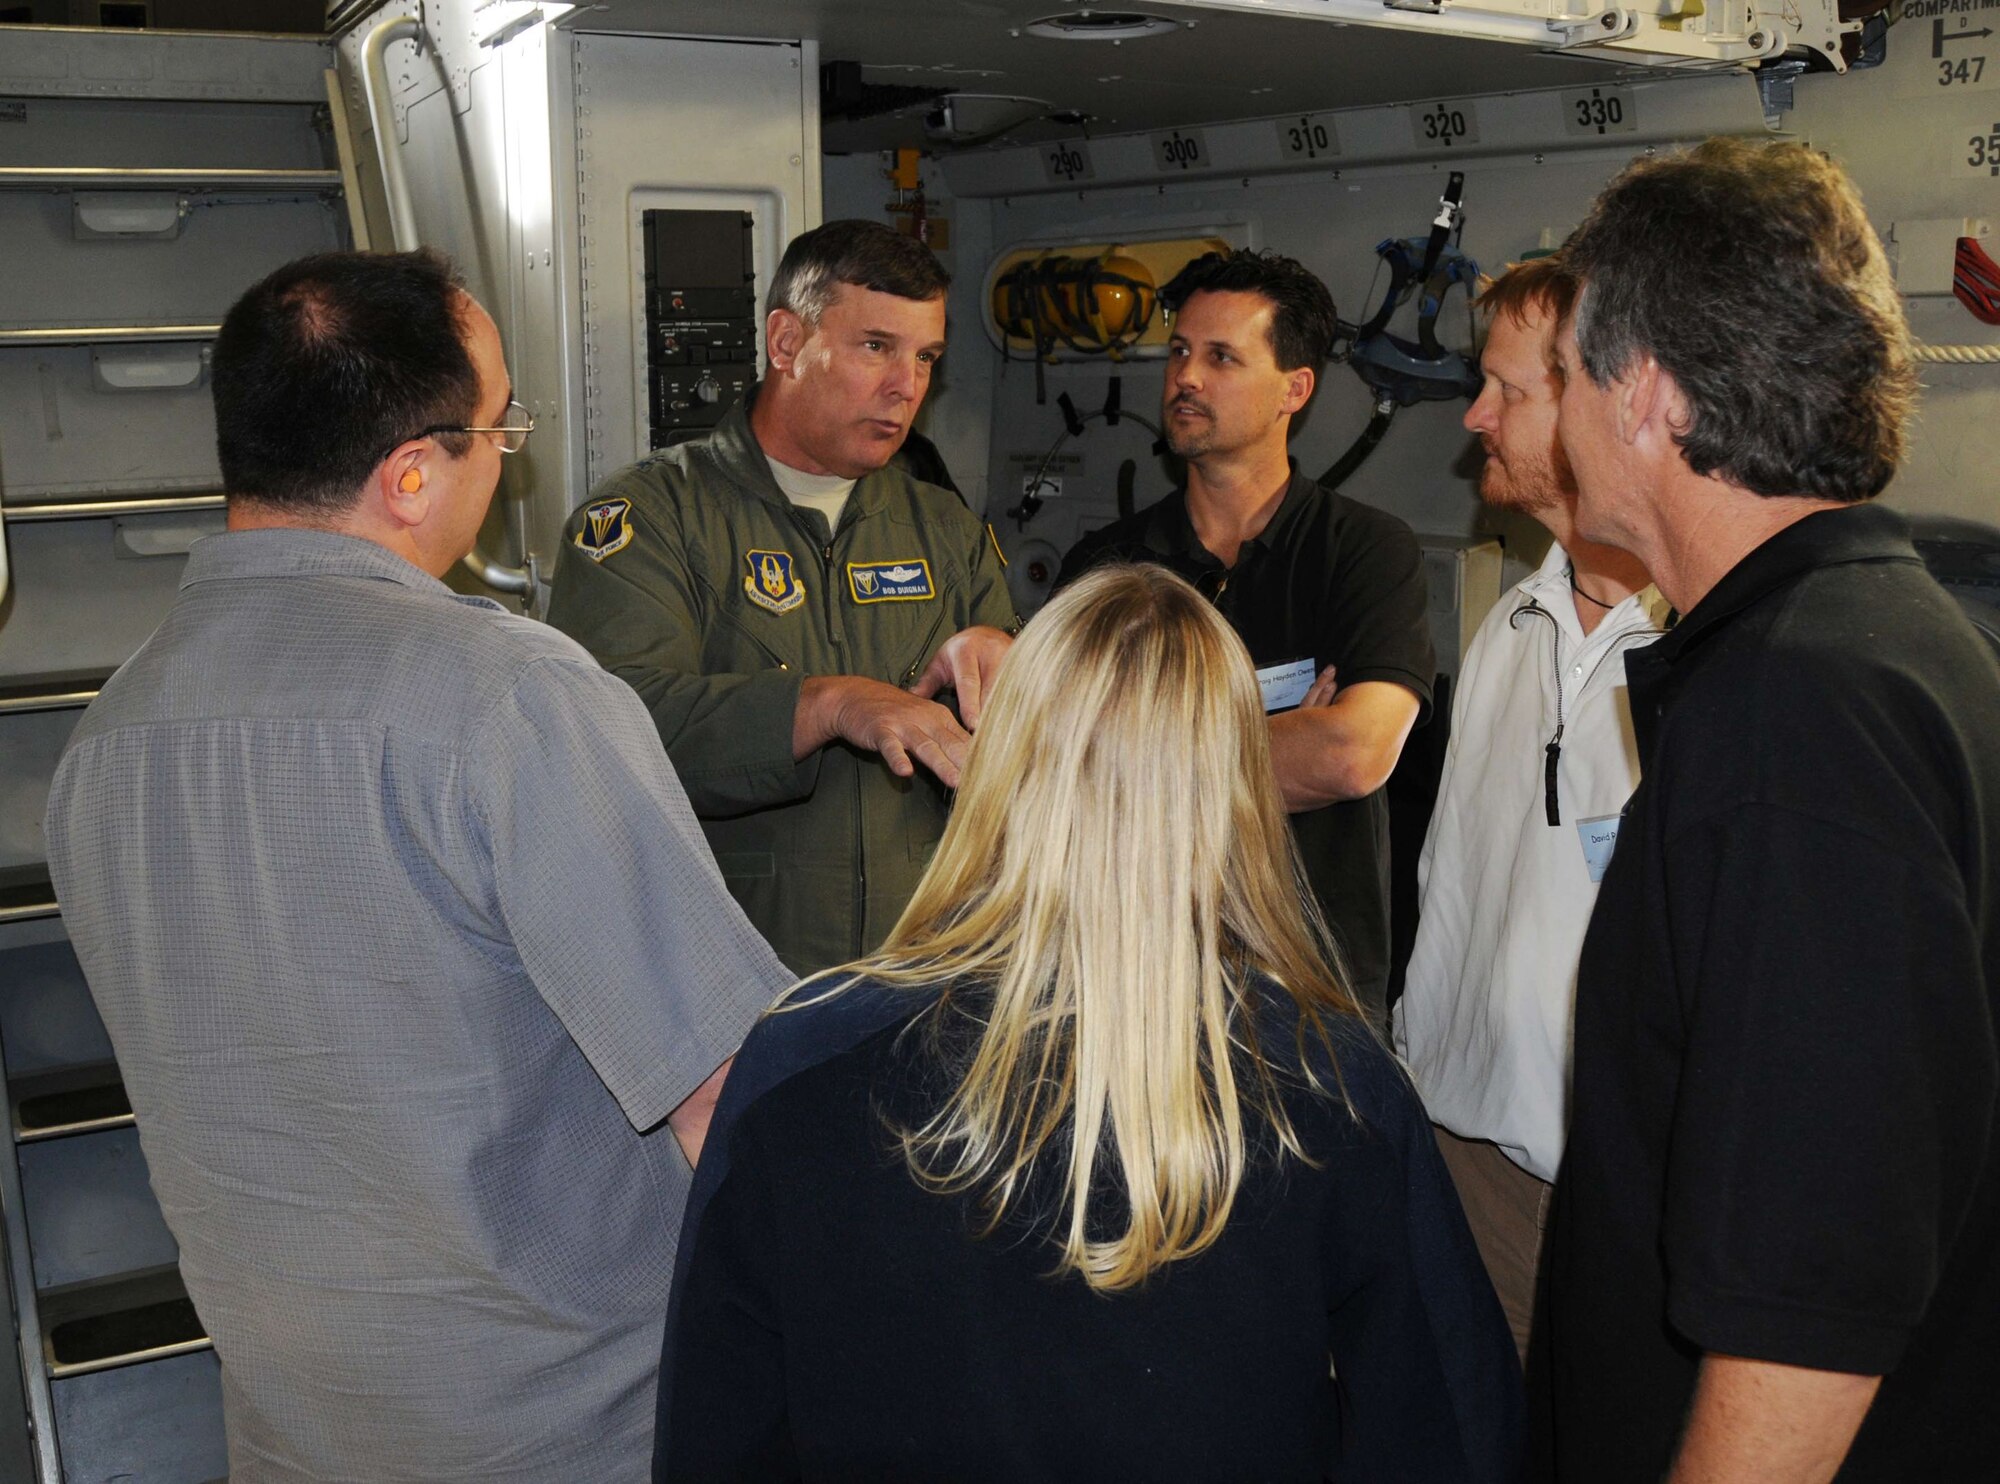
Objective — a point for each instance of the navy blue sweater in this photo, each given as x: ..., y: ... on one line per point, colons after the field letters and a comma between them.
x: 834, y: 1321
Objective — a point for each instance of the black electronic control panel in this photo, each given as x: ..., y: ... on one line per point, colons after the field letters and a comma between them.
x: 701, y: 319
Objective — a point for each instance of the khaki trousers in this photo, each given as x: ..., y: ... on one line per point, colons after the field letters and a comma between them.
x: 1508, y: 1210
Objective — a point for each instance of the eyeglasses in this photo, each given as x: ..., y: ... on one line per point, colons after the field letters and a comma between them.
x: 510, y: 437
x: 516, y: 423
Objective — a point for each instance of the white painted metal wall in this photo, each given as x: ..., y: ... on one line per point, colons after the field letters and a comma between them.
x: 1921, y: 135
x: 531, y: 154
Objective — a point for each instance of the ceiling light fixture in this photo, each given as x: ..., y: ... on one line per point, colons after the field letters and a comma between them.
x: 1102, y: 25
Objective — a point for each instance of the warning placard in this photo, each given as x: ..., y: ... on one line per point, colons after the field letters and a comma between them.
x: 1924, y: 10
x: 1023, y: 469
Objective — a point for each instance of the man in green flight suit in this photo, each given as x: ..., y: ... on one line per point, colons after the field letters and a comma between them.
x: 788, y: 603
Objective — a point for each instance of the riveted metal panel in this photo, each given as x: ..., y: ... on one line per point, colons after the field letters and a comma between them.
x: 227, y: 241
x: 64, y: 62
x: 143, y: 133
x: 78, y: 607
x: 62, y: 435
x: 741, y: 135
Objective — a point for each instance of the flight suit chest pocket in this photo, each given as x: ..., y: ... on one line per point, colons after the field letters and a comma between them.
x: 894, y: 613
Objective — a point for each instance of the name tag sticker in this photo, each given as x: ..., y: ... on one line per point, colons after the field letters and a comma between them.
x: 891, y: 582
x: 1285, y: 685
x: 1600, y: 838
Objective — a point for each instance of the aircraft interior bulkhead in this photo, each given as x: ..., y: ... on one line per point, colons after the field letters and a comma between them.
x: 617, y: 178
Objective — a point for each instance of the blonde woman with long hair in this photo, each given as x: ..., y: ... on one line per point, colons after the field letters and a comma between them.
x: 1094, y: 1170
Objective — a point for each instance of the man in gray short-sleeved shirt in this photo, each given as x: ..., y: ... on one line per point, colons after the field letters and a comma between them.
x: 406, y: 938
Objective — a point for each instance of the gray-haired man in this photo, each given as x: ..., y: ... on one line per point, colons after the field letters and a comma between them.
x: 787, y: 601
x: 1774, y: 1249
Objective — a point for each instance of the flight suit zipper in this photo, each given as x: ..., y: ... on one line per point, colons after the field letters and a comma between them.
x: 924, y: 648
x: 858, y: 916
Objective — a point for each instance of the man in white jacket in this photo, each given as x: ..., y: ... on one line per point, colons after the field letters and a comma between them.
x: 1541, y: 760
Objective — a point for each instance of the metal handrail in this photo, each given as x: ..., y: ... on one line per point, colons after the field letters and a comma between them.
x: 27, y: 1319
x: 343, y: 149
x: 63, y: 698
x: 403, y: 223
x: 48, y: 1131
x: 105, y: 334
x: 64, y: 177
x: 60, y: 1370
x: 382, y: 114
x: 102, y: 509
x: 500, y: 578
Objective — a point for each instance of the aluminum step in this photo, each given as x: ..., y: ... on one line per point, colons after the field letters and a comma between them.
x: 25, y: 893
x: 121, y: 1321
x: 72, y: 1100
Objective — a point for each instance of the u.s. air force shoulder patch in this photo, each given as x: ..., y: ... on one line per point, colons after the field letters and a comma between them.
x: 772, y: 583
x: 607, y: 527
x: 891, y: 582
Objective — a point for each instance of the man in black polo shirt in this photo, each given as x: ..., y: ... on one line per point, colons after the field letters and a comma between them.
x: 1327, y: 594
x: 1774, y: 1253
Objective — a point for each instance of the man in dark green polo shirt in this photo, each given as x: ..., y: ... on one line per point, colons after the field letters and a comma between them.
x: 788, y: 602
x: 1326, y: 593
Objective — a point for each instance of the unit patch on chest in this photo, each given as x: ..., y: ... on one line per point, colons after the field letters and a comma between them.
x: 607, y: 527
x: 890, y: 582
x: 772, y: 584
